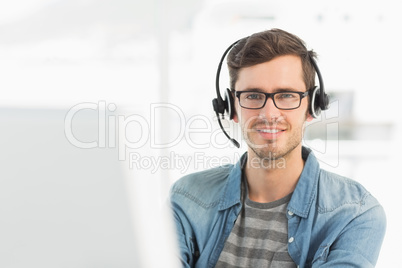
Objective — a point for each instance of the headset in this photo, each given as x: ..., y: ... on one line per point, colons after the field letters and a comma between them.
x: 319, y: 99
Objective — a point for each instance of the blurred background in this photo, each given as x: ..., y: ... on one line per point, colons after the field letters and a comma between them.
x: 130, y: 83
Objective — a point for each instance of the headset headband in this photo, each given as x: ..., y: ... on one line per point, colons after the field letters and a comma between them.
x: 218, y: 73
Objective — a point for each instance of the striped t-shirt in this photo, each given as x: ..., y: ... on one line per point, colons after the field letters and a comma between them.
x: 259, y: 237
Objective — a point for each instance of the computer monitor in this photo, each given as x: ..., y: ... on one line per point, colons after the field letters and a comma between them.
x: 66, y: 206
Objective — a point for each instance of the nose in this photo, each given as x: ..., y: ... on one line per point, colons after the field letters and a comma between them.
x: 270, y: 111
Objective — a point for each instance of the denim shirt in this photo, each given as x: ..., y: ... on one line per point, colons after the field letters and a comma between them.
x: 332, y: 221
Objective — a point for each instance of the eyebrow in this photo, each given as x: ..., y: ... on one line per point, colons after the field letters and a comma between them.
x: 275, y: 91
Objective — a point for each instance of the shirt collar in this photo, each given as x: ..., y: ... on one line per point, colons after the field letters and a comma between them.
x: 232, y: 191
x: 302, y: 197
x: 306, y: 188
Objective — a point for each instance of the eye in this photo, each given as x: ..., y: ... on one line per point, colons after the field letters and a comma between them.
x: 286, y: 95
x: 254, y: 96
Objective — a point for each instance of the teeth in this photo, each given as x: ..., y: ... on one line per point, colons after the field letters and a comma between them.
x: 269, y: 130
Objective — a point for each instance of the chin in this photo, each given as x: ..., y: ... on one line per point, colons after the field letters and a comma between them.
x: 274, y: 151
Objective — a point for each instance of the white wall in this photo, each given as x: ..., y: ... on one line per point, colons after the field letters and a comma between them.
x: 132, y: 54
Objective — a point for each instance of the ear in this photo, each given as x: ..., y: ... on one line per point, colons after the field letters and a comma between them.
x: 309, y: 117
x: 235, y: 117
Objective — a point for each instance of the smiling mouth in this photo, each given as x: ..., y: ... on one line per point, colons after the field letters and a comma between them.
x: 270, y: 131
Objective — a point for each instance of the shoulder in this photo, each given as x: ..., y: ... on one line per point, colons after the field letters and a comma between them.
x: 204, y: 187
x: 336, y: 191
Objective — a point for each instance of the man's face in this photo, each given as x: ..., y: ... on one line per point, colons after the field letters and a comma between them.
x: 272, y: 133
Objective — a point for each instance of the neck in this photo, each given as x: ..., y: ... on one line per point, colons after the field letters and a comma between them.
x: 270, y: 180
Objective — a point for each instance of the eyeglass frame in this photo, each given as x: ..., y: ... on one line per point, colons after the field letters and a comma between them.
x: 271, y: 96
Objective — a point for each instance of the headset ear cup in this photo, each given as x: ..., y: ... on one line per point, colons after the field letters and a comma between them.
x: 315, y: 105
x: 229, y: 100
x: 325, y: 103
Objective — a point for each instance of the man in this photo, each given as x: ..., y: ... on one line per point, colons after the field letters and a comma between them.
x: 275, y: 207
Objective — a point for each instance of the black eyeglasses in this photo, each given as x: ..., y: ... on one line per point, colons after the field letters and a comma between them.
x: 284, y: 100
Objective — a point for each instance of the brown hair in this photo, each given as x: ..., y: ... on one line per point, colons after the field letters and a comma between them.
x: 265, y: 46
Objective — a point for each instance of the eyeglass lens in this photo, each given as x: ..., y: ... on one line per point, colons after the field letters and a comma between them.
x: 282, y: 100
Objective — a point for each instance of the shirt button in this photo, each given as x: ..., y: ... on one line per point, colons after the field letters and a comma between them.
x: 290, y: 213
x: 291, y: 239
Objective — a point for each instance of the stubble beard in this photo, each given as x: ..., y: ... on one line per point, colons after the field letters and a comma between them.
x: 271, y: 152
